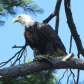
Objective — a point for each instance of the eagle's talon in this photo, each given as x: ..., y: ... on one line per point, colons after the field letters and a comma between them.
x: 51, y: 56
x: 41, y: 57
x: 35, y: 59
x: 47, y: 55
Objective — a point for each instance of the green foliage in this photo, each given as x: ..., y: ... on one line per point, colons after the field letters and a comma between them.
x: 2, y: 22
x: 12, y: 7
x: 1, y: 8
x: 1, y: 14
x: 28, y: 60
x: 43, y: 77
x: 0, y: 82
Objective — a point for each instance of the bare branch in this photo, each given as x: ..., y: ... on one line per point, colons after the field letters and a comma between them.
x: 73, y: 75
x: 62, y: 76
x: 49, y: 18
x: 57, y: 23
x: 70, y: 75
x: 19, y: 56
x: 18, y: 46
x: 72, y: 27
x: 19, y: 53
x: 36, y: 66
x: 78, y: 76
x: 78, y: 71
x: 70, y: 44
x: 58, y: 4
x: 56, y: 11
x: 68, y: 78
x: 70, y: 69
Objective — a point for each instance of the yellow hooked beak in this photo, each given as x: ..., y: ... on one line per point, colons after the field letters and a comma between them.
x: 16, y: 20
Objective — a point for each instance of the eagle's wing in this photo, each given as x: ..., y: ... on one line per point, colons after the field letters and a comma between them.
x: 51, y: 35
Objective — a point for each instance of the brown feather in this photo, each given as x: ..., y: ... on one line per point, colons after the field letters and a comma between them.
x: 39, y: 35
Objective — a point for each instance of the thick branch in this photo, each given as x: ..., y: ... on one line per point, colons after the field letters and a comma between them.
x: 49, y: 18
x: 56, y: 11
x: 36, y: 66
x: 58, y: 4
x: 72, y: 27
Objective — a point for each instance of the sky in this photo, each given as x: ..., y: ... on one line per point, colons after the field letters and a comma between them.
x: 12, y: 33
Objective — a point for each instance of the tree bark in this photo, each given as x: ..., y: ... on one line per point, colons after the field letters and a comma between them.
x: 72, y: 27
x: 36, y: 66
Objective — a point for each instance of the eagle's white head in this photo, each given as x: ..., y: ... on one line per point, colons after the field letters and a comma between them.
x: 25, y: 20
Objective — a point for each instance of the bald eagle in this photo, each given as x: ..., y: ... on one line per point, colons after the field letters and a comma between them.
x: 41, y: 37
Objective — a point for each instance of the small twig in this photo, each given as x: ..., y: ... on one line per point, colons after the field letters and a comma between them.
x: 11, y: 62
x: 18, y: 46
x: 18, y: 58
x: 68, y: 78
x: 25, y: 55
x: 70, y: 52
x: 70, y: 44
x: 78, y: 71
x: 4, y: 63
x: 62, y: 76
x: 26, y: 44
x: 21, y: 52
x: 73, y: 75
x: 19, y: 61
x: 78, y: 76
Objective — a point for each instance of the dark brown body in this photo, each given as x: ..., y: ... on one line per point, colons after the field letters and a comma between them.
x: 43, y: 40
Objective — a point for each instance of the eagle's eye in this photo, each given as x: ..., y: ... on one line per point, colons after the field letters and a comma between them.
x: 19, y: 16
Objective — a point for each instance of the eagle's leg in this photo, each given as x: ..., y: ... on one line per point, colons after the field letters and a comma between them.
x: 49, y: 50
x: 39, y: 56
x: 36, y: 52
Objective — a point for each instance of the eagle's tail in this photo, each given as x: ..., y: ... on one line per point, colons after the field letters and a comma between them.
x: 59, y: 52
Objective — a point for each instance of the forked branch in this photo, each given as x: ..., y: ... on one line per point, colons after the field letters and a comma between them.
x: 18, y: 54
x: 56, y: 11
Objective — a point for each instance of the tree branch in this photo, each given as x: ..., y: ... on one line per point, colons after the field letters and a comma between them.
x: 63, y: 75
x: 18, y: 54
x: 57, y: 8
x: 49, y: 18
x: 56, y: 11
x: 18, y: 46
x: 78, y: 72
x: 72, y: 27
x: 70, y: 44
x: 36, y: 66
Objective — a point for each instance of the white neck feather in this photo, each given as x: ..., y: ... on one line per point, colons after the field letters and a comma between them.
x: 26, y: 21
